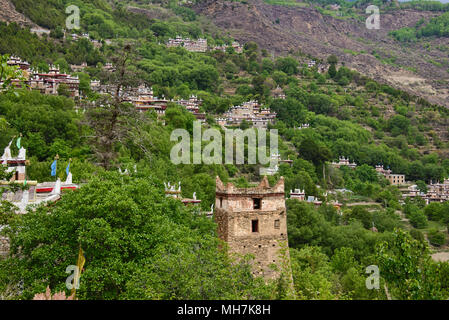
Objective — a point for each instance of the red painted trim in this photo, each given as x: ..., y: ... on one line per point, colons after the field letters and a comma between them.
x: 50, y: 189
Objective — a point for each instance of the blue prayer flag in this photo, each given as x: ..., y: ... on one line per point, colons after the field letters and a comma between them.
x: 53, y: 168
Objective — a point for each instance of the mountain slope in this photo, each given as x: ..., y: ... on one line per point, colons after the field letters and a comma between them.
x: 8, y: 13
x: 282, y: 29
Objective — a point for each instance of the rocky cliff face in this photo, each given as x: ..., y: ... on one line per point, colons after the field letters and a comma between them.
x: 8, y: 13
x: 282, y: 29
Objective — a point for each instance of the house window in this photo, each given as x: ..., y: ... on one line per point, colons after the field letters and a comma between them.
x: 256, y: 203
x: 277, y: 224
x: 255, y: 225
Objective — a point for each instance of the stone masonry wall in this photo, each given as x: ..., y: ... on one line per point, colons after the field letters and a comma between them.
x: 236, y: 216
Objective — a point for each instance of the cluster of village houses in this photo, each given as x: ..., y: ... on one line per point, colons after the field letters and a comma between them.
x: 142, y: 97
x: 45, y: 82
x: 96, y: 43
x: 200, y: 45
x: 251, y: 112
x: 394, y: 179
x: 321, y: 67
x: 436, y: 191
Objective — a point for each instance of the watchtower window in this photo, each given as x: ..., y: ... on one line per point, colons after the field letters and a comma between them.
x: 221, y: 202
x: 257, y: 203
x: 16, y: 175
x: 277, y: 224
x: 255, y: 225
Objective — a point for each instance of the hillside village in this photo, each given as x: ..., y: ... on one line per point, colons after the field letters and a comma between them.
x: 144, y: 100
x: 360, y: 175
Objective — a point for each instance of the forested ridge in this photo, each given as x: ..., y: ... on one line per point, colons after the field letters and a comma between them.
x: 140, y: 244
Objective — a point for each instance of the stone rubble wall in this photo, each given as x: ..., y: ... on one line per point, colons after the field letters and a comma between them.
x: 4, y: 246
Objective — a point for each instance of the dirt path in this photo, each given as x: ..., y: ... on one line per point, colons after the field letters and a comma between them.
x: 440, y: 256
x: 362, y: 204
x: 403, y: 217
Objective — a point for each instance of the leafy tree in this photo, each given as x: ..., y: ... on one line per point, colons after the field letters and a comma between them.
x: 63, y: 90
x: 321, y: 104
x: 436, y: 237
x: 332, y: 71
x: 422, y: 186
x: 332, y: 59
x: 312, y: 274
x: 129, y: 232
x: 287, y: 65
x: 408, y: 270
x: 311, y: 151
x: 305, y: 225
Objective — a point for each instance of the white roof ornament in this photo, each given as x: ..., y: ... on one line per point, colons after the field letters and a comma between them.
x: 57, y: 188
x: 22, y: 154
x: 7, y: 152
x: 69, y: 178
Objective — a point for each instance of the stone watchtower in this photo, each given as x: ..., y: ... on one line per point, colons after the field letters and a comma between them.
x: 253, y: 221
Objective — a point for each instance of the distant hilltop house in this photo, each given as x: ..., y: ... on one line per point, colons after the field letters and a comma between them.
x: 395, y: 179
x: 335, y: 7
x: 143, y: 99
x: 78, y: 68
x: 109, y: 67
x: 320, y: 66
x: 75, y: 37
x: 49, y: 82
x: 17, y: 61
x: 237, y: 47
x: 342, y: 161
x: 95, y: 84
x: 300, y: 195
x: 437, y: 192
x: 278, y: 93
x: 303, y: 126
x: 199, y: 45
x: 45, y: 82
x: 413, y: 192
x: 251, y: 111
x: 277, y: 157
x: 311, y: 63
x: 193, y: 106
